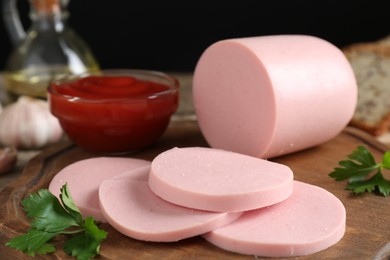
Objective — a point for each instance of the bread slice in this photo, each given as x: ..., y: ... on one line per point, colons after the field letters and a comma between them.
x: 371, y: 64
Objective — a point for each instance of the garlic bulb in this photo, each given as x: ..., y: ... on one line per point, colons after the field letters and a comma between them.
x: 28, y: 124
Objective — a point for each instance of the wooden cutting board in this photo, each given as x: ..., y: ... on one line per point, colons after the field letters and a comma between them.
x: 368, y: 215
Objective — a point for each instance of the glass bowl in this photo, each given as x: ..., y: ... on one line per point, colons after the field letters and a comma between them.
x: 114, y: 111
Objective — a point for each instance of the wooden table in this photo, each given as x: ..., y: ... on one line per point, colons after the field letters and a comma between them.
x: 368, y: 228
x: 368, y: 215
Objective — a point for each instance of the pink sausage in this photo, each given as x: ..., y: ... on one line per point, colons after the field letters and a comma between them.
x: 218, y: 180
x: 311, y: 220
x: 272, y: 95
x: 133, y: 209
x: 85, y: 176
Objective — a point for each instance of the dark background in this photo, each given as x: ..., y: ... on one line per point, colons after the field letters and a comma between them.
x: 171, y: 36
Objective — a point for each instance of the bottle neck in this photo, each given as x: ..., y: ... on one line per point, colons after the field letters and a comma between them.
x: 47, y: 21
x: 48, y: 15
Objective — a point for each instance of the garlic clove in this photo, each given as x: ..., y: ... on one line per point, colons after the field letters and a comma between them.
x: 29, y: 124
x: 8, y: 159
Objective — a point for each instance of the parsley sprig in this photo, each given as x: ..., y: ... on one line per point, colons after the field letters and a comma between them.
x: 50, y: 218
x: 364, y: 174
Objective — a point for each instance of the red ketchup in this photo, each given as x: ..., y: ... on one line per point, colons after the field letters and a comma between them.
x: 113, y: 114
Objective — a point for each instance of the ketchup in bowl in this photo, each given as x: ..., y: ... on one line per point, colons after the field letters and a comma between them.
x: 114, y: 111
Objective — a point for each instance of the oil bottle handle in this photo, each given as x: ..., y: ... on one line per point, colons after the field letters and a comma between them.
x: 12, y: 22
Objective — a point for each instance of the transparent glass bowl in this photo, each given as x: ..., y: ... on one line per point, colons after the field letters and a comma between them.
x: 114, y: 111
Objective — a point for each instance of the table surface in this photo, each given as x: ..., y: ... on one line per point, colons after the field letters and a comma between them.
x: 366, y: 235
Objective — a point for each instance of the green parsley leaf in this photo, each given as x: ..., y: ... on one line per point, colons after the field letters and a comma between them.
x: 86, y: 244
x: 34, y: 241
x: 69, y: 205
x: 377, y: 181
x: 47, y: 212
x: 386, y: 160
x: 51, y: 218
x: 364, y: 174
x: 93, y: 230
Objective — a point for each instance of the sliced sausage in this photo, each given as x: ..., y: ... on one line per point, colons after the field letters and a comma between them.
x: 134, y: 210
x: 310, y: 220
x: 84, y: 177
x: 218, y: 180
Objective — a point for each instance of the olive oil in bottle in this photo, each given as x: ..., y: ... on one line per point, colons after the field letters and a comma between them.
x: 50, y: 48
